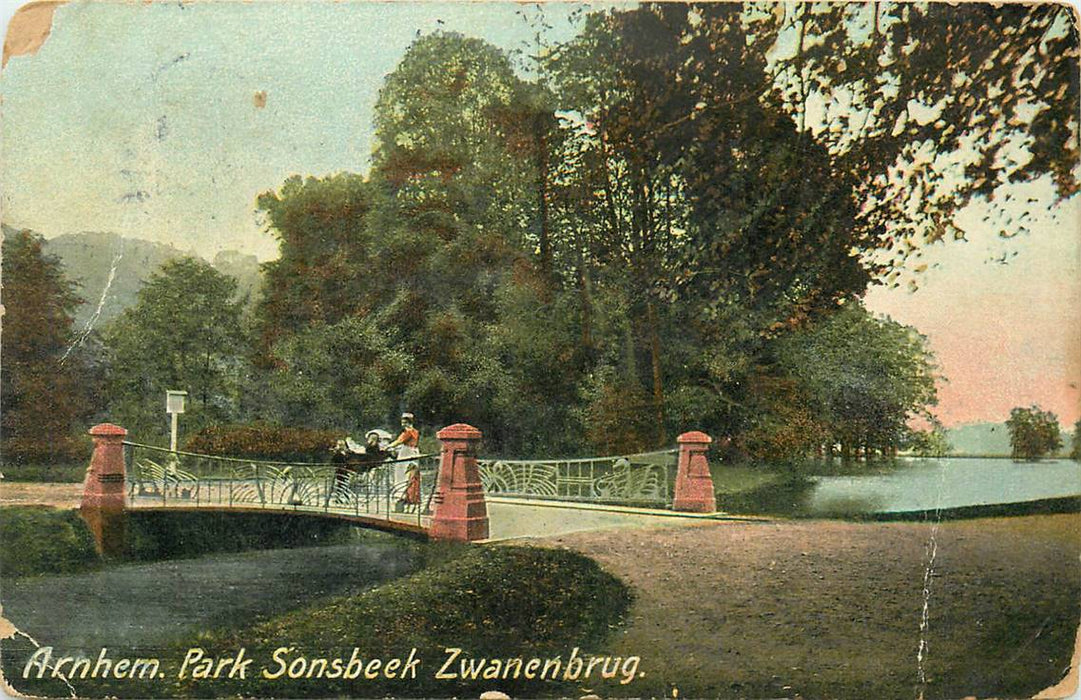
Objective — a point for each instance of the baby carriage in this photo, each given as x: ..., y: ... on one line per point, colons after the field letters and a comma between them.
x: 351, y: 458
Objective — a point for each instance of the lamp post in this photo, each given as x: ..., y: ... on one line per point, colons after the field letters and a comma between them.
x: 174, y: 406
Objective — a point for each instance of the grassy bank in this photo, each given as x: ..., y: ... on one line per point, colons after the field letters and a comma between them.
x: 40, y: 539
x: 493, y: 602
x: 43, y: 540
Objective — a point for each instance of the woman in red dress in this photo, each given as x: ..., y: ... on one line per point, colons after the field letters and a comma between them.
x: 407, y: 443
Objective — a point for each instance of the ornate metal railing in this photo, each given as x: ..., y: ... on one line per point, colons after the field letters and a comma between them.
x: 638, y: 479
x: 398, y: 490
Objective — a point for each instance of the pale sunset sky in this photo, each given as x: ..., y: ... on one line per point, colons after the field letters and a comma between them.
x: 140, y: 119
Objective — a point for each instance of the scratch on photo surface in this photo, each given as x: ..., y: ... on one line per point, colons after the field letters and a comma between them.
x: 928, y: 577
x: 89, y: 326
x: 8, y: 631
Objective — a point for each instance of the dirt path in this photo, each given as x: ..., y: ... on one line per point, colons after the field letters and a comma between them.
x: 834, y: 609
x: 22, y: 493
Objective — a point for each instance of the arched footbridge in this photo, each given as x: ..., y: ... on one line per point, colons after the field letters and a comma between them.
x: 450, y: 495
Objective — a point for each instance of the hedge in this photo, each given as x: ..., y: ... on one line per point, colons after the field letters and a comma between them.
x: 272, y: 442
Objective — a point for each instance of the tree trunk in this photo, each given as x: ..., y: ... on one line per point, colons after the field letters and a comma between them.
x: 585, y: 293
x: 630, y: 361
x: 541, y: 146
x: 655, y: 361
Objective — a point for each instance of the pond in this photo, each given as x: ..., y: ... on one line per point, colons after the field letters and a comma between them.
x: 933, y: 484
x: 917, y: 485
x: 147, y: 606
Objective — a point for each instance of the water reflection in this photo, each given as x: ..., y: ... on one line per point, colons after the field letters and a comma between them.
x: 149, y: 605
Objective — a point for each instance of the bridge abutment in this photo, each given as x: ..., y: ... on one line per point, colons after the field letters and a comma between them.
x: 460, y: 510
x: 694, y: 484
x: 104, y: 490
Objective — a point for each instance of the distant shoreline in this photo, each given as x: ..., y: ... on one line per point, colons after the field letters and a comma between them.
x: 977, y: 455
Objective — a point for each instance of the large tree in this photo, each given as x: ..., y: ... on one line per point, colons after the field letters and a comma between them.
x: 326, y: 269
x: 682, y: 189
x: 864, y: 378
x: 43, y: 388
x: 764, y: 162
x: 1034, y: 432
x: 184, y: 332
x: 456, y: 216
x: 703, y: 191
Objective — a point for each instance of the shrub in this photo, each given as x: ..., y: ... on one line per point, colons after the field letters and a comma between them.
x: 61, y: 450
x: 62, y: 473
x: 271, y: 442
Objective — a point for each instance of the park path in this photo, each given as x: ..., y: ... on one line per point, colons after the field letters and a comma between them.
x: 21, y: 493
x: 516, y: 518
x: 834, y: 609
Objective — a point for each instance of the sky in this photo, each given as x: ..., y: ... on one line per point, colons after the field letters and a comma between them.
x: 164, y: 121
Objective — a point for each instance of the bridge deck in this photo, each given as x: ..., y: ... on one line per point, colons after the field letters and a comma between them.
x: 404, y: 523
x: 516, y: 518
x: 509, y: 518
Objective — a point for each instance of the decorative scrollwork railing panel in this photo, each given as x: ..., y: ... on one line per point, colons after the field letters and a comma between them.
x: 390, y: 489
x: 629, y: 479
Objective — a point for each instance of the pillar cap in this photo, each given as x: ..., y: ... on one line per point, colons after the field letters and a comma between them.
x: 108, y: 430
x: 694, y: 437
x: 459, y: 431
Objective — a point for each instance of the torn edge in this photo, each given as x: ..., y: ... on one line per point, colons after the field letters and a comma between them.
x: 8, y: 630
x: 29, y: 28
x: 1070, y: 685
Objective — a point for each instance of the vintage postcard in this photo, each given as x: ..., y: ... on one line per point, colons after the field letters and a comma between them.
x: 540, y: 350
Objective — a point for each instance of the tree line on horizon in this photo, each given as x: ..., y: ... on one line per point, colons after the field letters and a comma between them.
x: 668, y: 225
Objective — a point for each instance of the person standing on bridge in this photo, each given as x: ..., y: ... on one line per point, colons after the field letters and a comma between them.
x: 407, y: 443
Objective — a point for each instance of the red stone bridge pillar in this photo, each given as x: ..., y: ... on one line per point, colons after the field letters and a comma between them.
x: 460, y: 511
x: 104, y: 490
x: 694, y: 484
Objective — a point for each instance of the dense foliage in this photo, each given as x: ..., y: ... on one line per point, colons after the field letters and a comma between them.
x: 258, y: 441
x: 1034, y: 433
x: 861, y: 379
x: 664, y: 223
x: 184, y: 332
x: 45, y: 391
x: 574, y: 266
